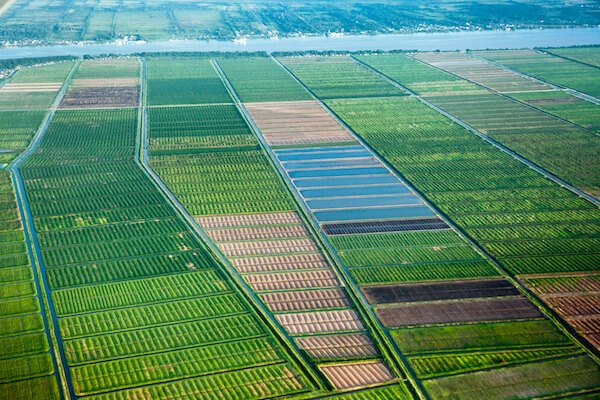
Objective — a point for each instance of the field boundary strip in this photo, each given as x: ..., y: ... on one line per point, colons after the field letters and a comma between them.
x: 532, y: 297
x: 51, y: 327
x: 385, y: 342
x: 249, y: 296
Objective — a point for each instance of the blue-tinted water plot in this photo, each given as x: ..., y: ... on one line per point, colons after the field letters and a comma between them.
x: 397, y: 188
x: 323, y: 155
x: 358, y: 202
x: 352, y: 162
x: 373, y: 213
x: 314, y: 173
x: 345, y: 181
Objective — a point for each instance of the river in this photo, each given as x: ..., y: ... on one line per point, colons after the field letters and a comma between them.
x: 417, y: 41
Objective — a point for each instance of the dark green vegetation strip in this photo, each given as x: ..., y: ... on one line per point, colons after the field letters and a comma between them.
x: 91, y: 203
x: 25, y: 360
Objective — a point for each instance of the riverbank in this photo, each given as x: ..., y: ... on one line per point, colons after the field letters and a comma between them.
x: 418, y: 41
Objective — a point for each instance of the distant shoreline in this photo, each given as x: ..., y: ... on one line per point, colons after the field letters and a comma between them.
x: 526, y: 38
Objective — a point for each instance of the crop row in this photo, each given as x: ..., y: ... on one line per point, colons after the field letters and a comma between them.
x: 218, y: 168
x: 261, y: 79
x: 24, y: 349
x: 550, y: 68
x: 338, y: 77
x: 177, y: 80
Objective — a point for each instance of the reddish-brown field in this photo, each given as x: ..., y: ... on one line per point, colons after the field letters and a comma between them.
x: 101, y: 97
x: 305, y: 300
x: 320, y: 322
x: 575, y: 297
x: 339, y: 346
x: 351, y: 375
x: 297, y: 122
x: 439, y: 291
x: 461, y: 311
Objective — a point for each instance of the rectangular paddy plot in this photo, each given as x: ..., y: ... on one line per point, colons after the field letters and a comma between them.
x: 450, y: 290
x: 564, y: 149
x: 575, y: 297
x: 463, y: 311
x: 345, y: 376
x: 26, y: 363
x: 297, y: 122
x: 180, y: 80
x: 211, y: 160
x: 258, y: 79
x: 104, y: 83
x: 349, y: 193
x: 338, y: 77
x: 140, y: 301
x: 34, y: 88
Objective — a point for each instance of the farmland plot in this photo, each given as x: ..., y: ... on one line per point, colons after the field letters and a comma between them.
x: 574, y: 297
x: 104, y: 84
x: 184, y: 81
x: 559, y: 71
x: 565, y: 150
x: 211, y: 161
x: 91, y: 203
x: 535, y: 93
x: 433, y: 154
x: 293, y: 123
x: 260, y: 79
x: 26, y: 361
x: 34, y: 88
x: 338, y: 77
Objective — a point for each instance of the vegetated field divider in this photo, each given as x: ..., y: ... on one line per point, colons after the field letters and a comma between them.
x: 387, y: 345
x: 51, y: 328
x: 549, y: 313
x: 249, y: 297
x: 522, y: 103
x: 488, y: 139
